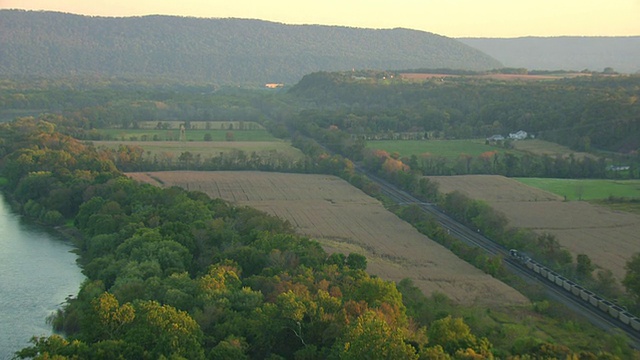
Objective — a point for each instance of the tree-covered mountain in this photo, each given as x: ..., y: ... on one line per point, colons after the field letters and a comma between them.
x: 223, y: 51
x: 564, y: 53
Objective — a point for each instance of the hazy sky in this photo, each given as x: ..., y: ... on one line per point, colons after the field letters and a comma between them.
x: 453, y: 18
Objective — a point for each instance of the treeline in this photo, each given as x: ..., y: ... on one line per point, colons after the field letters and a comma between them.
x: 583, y: 113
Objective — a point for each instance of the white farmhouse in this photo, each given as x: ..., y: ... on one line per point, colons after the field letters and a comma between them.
x: 520, y: 135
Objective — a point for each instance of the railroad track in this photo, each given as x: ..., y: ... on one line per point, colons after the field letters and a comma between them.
x: 580, y: 306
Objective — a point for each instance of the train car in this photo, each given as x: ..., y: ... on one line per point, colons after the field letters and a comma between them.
x: 594, y: 299
x: 635, y: 323
x: 604, y: 305
x: 615, y: 310
x: 536, y: 267
x: 551, y: 276
x: 568, y: 284
x: 544, y: 271
x: 625, y: 317
x: 559, y: 280
x: 576, y: 290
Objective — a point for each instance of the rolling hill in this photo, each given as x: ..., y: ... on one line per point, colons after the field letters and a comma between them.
x: 222, y: 51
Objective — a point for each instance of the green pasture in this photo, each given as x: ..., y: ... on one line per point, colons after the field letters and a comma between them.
x: 191, y: 135
x: 586, y: 189
x: 449, y: 149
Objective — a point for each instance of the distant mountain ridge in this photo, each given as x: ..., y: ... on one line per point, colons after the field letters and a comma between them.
x: 563, y: 53
x: 224, y: 51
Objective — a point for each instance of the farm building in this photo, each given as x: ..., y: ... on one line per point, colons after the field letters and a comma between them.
x: 520, y: 135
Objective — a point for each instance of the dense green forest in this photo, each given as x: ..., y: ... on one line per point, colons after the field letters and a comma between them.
x: 220, y: 51
x: 175, y: 274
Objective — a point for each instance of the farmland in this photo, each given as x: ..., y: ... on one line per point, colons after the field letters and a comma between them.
x: 208, y: 149
x: 343, y: 219
x: 541, y: 147
x: 452, y: 149
x: 608, y: 237
x: 586, y: 189
x: 449, y: 149
x: 215, y: 131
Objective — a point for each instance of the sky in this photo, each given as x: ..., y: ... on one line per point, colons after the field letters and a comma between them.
x: 452, y: 18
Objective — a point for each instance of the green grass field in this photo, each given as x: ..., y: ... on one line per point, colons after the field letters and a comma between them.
x: 191, y: 135
x: 450, y: 149
x: 586, y: 189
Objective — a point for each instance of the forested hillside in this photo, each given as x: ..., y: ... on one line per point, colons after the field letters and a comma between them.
x: 564, y: 53
x: 222, y: 51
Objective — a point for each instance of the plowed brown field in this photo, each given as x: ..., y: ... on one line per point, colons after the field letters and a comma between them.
x: 344, y: 219
x: 608, y: 237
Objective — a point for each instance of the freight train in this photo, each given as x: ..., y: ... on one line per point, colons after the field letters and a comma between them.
x: 578, y: 291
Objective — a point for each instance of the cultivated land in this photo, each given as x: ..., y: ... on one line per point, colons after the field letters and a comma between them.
x: 541, y: 147
x: 208, y: 149
x: 452, y: 149
x: 610, y: 238
x: 586, y: 189
x: 346, y: 220
x: 449, y: 149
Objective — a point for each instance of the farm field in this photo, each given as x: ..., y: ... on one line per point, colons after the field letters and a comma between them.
x: 586, y: 189
x: 449, y: 149
x: 610, y: 238
x: 208, y: 149
x: 190, y: 135
x: 541, y: 147
x: 344, y: 219
x: 452, y: 149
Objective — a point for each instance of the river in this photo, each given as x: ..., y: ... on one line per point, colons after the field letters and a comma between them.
x: 37, y: 272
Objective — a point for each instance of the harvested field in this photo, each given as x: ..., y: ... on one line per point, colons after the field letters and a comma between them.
x: 344, y: 219
x: 541, y: 147
x: 608, y: 237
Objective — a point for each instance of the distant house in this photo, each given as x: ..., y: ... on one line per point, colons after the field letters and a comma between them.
x: 520, y: 135
x: 495, y: 138
x: 618, y: 167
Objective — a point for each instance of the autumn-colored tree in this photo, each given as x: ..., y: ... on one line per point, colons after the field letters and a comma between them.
x: 370, y: 337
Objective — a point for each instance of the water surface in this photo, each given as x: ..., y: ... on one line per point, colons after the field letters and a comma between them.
x: 37, y: 272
